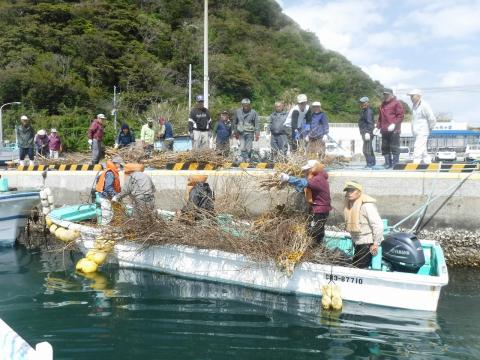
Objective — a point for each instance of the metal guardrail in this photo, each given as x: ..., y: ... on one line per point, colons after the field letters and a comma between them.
x: 14, y: 347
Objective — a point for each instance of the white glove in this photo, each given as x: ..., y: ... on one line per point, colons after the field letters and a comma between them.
x: 115, y: 198
x: 391, y: 127
x: 284, y: 177
x: 116, y: 146
x: 307, y: 138
x: 376, y: 131
x: 325, y: 138
x: 90, y: 142
x: 367, y: 136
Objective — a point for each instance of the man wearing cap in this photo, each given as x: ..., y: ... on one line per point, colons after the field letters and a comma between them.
x: 95, y: 138
x: 41, y: 143
x: 296, y: 120
x: 25, y: 139
x: 246, y: 127
x: 423, y: 121
x: 54, y: 144
x: 278, y: 131
x: 318, y: 128
x: 366, y: 125
x: 390, y: 119
x: 222, y: 132
x: 199, y: 125
x: 317, y: 194
x: 107, y: 187
x: 363, y: 222
x: 147, y: 136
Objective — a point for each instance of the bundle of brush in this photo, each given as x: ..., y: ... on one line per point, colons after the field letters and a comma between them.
x: 210, y: 156
x: 65, y: 159
x: 291, y: 166
x: 134, y: 153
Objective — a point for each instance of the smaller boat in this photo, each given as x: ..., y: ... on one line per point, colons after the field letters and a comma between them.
x: 409, y: 274
x: 15, y: 209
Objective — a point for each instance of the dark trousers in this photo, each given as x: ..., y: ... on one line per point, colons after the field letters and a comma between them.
x: 362, y: 257
x: 390, y: 143
x: 317, y: 226
x: 26, y: 151
x: 368, y: 152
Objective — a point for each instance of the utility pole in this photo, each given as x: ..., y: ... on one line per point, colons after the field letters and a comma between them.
x: 205, y: 54
x: 114, y: 111
x: 189, y: 87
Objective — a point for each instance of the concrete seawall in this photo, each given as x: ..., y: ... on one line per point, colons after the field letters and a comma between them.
x: 398, y: 194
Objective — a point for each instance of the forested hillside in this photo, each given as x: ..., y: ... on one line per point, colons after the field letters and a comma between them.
x: 61, y: 59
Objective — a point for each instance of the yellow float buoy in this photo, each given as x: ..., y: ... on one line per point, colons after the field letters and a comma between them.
x: 53, y: 228
x: 337, y: 303
x: 80, y: 263
x: 89, y: 266
x: 48, y: 221
x: 97, y: 256
x: 326, y: 302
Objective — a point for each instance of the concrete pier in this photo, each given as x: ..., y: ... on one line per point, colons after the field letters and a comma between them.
x: 398, y: 194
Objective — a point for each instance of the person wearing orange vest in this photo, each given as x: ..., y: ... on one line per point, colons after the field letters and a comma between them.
x: 107, y: 187
x: 317, y: 195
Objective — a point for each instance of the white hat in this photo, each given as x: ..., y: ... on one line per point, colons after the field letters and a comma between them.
x: 23, y: 117
x: 364, y: 99
x: 302, y: 98
x: 101, y: 116
x: 53, y: 130
x: 316, y: 103
x: 41, y: 132
x: 246, y: 101
x: 414, y: 92
x: 310, y: 164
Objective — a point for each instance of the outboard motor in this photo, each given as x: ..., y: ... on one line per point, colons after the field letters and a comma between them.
x: 403, y: 252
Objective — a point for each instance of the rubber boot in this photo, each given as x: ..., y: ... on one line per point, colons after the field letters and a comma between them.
x: 395, y: 160
x: 388, y: 162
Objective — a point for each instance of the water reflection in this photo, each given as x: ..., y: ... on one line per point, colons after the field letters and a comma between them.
x: 124, y: 314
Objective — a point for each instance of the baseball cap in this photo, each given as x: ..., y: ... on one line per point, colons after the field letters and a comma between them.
x: 23, y: 117
x: 302, y: 98
x: 53, y: 130
x: 117, y: 160
x: 199, y: 98
x: 310, y: 164
x: 364, y: 99
x: 101, y: 116
x: 246, y: 101
x: 352, y: 185
x: 41, y: 132
x: 415, y: 92
x: 388, y: 91
x: 316, y: 103
x: 225, y: 112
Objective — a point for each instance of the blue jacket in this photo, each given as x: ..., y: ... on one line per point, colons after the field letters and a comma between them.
x: 125, y: 139
x: 168, y: 131
x: 318, y: 125
x: 108, y: 190
x: 223, y: 132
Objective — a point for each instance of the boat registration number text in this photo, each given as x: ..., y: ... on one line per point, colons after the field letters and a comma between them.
x: 342, y: 278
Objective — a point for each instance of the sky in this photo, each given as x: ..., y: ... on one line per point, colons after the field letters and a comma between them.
x: 433, y: 45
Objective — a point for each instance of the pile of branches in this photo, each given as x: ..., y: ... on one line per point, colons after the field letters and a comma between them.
x: 67, y: 158
x: 278, y: 236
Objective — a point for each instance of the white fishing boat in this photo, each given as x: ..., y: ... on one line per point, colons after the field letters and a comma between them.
x: 15, y: 209
x: 409, y: 275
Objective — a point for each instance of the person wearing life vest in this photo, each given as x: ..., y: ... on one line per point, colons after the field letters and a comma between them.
x: 363, y: 222
x: 317, y: 195
x: 139, y: 187
x: 107, y: 187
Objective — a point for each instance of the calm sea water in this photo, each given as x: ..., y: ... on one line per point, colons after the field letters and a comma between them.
x: 125, y: 314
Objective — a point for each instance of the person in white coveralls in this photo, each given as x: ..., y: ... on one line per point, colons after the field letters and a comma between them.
x: 423, y: 121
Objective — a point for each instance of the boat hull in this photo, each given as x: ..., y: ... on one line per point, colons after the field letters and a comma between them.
x: 15, y: 208
x: 393, y: 289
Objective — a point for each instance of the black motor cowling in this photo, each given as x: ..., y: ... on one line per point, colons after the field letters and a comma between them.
x: 403, y: 252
